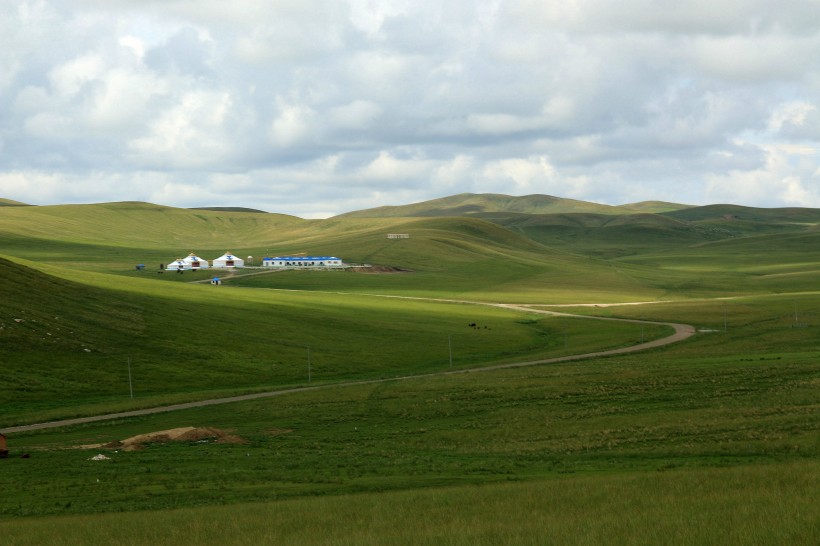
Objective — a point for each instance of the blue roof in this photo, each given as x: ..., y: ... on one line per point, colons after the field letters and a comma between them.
x: 302, y: 258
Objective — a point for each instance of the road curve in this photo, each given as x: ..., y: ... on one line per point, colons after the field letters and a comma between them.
x: 682, y: 331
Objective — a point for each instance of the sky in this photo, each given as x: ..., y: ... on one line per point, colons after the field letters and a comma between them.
x: 318, y: 107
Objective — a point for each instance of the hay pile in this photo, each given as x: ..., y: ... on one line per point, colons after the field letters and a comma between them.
x: 183, y: 434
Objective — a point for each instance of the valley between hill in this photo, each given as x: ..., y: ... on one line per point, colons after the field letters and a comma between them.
x: 680, y: 333
x: 514, y: 416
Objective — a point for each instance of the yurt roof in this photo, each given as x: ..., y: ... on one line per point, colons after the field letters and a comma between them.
x: 228, y: 256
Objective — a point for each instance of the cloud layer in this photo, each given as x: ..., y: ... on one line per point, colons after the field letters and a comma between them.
x: 316, y: 107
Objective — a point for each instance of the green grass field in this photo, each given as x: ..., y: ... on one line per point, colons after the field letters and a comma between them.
x: 714, y: 506
x: 65, y: 340
x: 715, y: 440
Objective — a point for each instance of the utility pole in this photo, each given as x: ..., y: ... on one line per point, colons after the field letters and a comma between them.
x: 130, y: 383
x: 725, y: 318
x: 308, y: 349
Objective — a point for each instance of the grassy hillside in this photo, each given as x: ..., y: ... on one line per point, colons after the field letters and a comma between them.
x: 773, y: 504
x: 114, y: 237
x: 787, y: 215
x: 10, y: 203
x: 604, y: 231
x: 230, y: 209
x: 469, y: 203
x: 713, y: 440
x: 653, y: 207
x: 727, y: 408
x: 765, y: 505
x: 140, y: 225
x: 69, y: 340
x: 606, y: 236
x: 448, y: 256
x: 526, y: 258
x: 466, y: 204
x: 467, y: 258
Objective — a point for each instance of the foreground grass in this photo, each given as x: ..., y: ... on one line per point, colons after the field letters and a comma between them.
x: 770, y: 504
x: 646, y: 412
x: 712, y: 441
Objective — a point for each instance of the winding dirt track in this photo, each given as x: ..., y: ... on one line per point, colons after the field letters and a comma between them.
x: 682, y: 331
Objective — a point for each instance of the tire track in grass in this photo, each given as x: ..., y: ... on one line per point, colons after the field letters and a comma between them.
x: 681, y: 332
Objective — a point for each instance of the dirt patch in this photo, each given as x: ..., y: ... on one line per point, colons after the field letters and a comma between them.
x: 380, y: 269
x: 278, y: 431
x: 182, y: 434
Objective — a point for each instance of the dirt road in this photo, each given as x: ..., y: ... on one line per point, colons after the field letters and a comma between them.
x: 682, y: 331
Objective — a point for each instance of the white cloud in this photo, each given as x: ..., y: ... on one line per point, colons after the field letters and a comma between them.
x: 681, y: 17
x: 359, y: 115
x: 295, y: 124
x: 790, y: 176
x: 750, y: 58
x: 499, y: 124
x: 337, y: 104
x: 49, y: 126
x: 70, y: 78
x: 369, y: 15
x: 191, y: 134
x: 388, y: 169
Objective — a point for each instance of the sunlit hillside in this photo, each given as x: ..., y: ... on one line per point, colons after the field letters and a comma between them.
x: 470, y: 203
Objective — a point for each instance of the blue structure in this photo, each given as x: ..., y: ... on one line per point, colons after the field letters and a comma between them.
x: 302, y: 261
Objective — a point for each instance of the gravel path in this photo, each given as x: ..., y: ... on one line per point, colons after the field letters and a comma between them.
x: 682, y: 331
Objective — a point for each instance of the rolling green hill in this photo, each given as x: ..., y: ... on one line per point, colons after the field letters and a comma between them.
x: 653, y: 207
x: 140, y: 225
x: 605, y: 235
x: 519, y: 257
x: 67, y: 335
x: 11, y: 203
x: 470, y: 203
x: 608, y: 232
x: 720, y: 428
x: 449, y: 256
x: 785, y: 215
x: 229, y: 209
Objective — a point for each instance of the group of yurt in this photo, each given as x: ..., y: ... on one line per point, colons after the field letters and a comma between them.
x: 194, y: 262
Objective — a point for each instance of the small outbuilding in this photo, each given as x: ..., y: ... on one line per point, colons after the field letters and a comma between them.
x: 4, y: 450
x: 216, y: 281
x: 228, y: 260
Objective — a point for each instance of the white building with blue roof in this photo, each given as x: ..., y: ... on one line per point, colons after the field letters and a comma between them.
x: 302, y: 261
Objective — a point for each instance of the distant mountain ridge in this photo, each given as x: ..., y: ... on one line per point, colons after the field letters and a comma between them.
x: 478, y: 224
x: 607, y: 231
x: 465, y: 204
x: 12, y: 203
x: 229, y: 209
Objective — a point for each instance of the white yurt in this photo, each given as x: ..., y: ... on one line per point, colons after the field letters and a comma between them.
x: 228, y: 260
x: 196, y: 262
x: 178, y: 265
